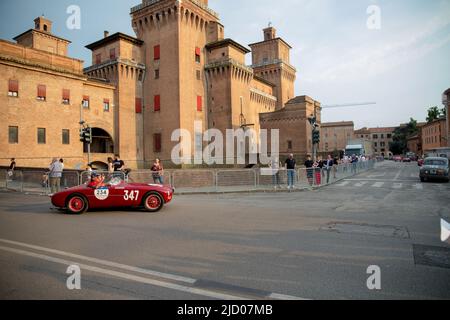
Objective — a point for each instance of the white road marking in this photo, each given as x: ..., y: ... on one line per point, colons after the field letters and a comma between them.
x: 277, y: 296
x: 201, y: 292
x: 361, y: 184
x: 418, y: 186
x: 343, y: 184
x: 397, y: 186
x: 104, y: 262
x: 398, y: 174
x: 168, y: 285
x: 378, y: 184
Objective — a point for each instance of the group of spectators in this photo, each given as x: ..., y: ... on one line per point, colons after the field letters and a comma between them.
x: 317, y: 170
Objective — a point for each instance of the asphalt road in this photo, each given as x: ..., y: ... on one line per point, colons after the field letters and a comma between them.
x: 310, y: 245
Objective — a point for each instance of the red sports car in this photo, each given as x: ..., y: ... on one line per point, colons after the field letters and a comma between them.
x: 113, y: 193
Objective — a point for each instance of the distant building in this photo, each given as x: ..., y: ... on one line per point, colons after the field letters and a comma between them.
x: 334, y: 136
x: 446, y: 102
x: 434, y: 135
x: 380, y: 137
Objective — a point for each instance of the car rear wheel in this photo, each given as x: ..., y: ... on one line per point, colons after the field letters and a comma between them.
x: 153, y: 202
x: 77, y: 204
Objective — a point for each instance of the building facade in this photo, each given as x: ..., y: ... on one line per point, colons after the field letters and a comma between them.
x: 179, y: 70
x: 434, y: 135
x: 380, y: 137
x: 334, y: 136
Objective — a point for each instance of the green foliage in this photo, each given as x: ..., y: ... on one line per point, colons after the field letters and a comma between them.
x: 401, y: 134
x: 435, y: 113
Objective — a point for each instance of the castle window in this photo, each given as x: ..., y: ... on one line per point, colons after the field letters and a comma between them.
x: 199, y: 75
x: 157, y: 74
x: 157, y: 103
x: 197, y: 55
x: 106, y: 105
x: 157, y: 52
x: 199, y: 104
x: 45, y: 27
x: 138, y: 105
x: 41, y: 136
x: 66, y: 96
x: 98, y: 59
x: 112, y: 54
x: 13, y: 89
x: 13, y: 135
x: 65, y: 136
x: 85, y: 102
x: 41, y: 92
x: 289, y: 143
x: 157, y: 142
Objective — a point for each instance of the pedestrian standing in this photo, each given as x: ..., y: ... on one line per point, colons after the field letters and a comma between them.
x: 62, y: 164
x: 11, y: 168
x: 118, y: 166
x: 158, y: 172
x: 317, y: 172
x: 110, y: 166
x: 309, y: 169
x: 55, y: 176
x: 329, y: 164
x: 290, y: 167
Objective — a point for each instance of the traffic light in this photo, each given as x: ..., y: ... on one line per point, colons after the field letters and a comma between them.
x: 88, y: 135
x: 82, y: 138
x: 316, y: 137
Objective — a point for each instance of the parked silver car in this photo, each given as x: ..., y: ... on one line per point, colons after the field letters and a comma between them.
x: 435, y: 168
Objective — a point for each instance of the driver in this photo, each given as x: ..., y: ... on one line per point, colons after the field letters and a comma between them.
x: 97, y: 181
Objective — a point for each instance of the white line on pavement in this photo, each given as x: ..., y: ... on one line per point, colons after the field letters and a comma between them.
x: 397, y: 186
x: 343, y: 184
x: 418, y: 186
x: 378, y: 184
x: 117, y: 274
x: 104, y: 262
x: 361, y: 184
x: 201, y: 292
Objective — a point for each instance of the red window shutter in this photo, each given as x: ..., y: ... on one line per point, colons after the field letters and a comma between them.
x: 42, y: 91
x: 157, y: 142
x: 112, y: 54
x: 157, y: 52
x: 106, y: 101
x: 138, y: 105
x: 13, y: 86
x: 199, y: 103
x: 98, y: 59
x: 157, y: 103
x: 85, y: 98
x: 197, y: 51
x: 66, y: 94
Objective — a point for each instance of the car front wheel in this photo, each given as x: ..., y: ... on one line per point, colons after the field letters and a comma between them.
x: 77, y: 205
x: 153, y: 202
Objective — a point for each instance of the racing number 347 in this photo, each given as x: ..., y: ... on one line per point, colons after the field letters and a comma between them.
x: 131, y: 195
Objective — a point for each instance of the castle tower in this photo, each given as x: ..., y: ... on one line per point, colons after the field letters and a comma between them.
x: 271, y: 61
x: 41, y: 38
x: 174, y: 34
x: 117, y: 59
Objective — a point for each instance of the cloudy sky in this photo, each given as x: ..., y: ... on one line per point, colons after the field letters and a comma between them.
x: 404, y: 66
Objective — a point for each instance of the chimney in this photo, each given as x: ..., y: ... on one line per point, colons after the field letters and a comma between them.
x: 106, y: 34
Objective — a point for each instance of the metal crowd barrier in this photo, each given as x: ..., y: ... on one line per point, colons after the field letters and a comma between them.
x: 196, y: 181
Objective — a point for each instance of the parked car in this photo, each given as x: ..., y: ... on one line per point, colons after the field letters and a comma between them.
x: 420, y: 162
x: 406, y: 159
x: 398, y: 158
x: 435, y: 169
x: 112, y: 193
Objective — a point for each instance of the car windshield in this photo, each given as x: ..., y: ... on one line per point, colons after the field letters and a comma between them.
x: 435, y: 162
x: 110, y: 180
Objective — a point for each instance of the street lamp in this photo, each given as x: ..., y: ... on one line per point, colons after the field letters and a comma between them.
x: 446, y: 103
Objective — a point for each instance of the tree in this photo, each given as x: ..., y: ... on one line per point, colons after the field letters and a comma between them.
x: 401, y: 134
x: 434, y: 113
